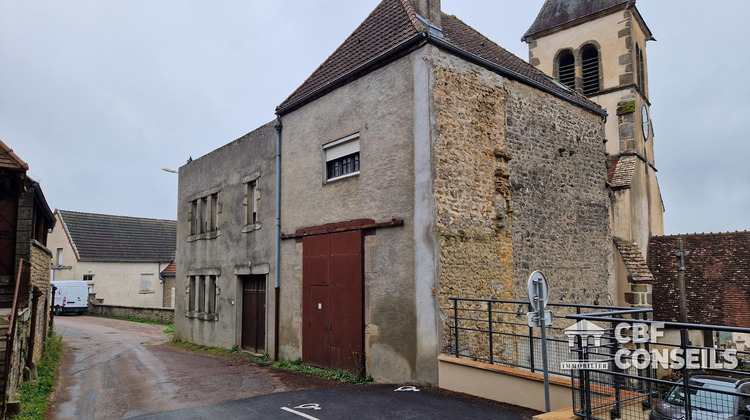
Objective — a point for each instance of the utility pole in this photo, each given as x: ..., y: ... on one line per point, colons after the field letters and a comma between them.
x: 681, y: 254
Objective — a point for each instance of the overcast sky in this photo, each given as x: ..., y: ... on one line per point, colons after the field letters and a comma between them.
x: 97, y: 96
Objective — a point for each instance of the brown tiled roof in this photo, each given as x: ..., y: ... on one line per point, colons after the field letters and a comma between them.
x: 555, y: 13
x: 393, y: 27
x: 106, y: 238
x: 620, y: 171
x: 717, y: 274
x: 10, y: 160
x: 389, y: 25
x: 170, y: 270
x: 638, y: 271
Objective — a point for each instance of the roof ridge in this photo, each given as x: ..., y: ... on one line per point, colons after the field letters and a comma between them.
x: 676, y: 235
x: 116, y: 215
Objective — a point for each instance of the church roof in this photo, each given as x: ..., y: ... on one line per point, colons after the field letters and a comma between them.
x: 393, y: 30
x: 557, y: 13
x: 107, y: 238
x: 716, y: 275
x: 638, y: 271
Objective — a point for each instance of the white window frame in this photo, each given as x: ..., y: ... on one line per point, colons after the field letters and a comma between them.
x: 340, y: 148
x: 148, y: 280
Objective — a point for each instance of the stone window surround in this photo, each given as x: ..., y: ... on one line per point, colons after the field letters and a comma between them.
x: 212, y: 197
x: 248, y: 226
x: 203, y: 275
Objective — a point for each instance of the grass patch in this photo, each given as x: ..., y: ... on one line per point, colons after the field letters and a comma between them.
x: 169, y: 329
x: 340, y: 375
x: 34, y: 395
x: 261, y: 359
x: 203, y: 349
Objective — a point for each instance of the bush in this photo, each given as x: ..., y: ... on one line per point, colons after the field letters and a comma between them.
x: 34, y: 395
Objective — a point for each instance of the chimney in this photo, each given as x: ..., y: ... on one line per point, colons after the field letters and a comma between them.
x: 429, y: 10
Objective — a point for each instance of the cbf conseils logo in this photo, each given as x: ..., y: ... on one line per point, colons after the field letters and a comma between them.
x: 640, y: 332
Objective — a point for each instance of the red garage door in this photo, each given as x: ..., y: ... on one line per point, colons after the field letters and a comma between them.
x: 333, y: 295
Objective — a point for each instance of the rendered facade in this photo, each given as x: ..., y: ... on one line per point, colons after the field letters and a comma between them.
x: 419, y: 162
x: 121, y: 258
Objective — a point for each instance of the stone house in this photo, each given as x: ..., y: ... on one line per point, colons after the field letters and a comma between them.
x: 225, y: 244
x: 598, y: 48
x: 25, y: 219
x: 121, y: 258
x: 420, y: 161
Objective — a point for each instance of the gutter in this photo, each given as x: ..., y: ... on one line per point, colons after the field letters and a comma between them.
x: 277, y: 299
x: 415, y: 41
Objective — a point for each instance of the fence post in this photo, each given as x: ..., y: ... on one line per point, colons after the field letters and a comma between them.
x: 615, y: 413
x: 455, y: 325
x: 489, y: 319
x: 650, y: 374
x: 531, y: 343
x: 685, y: 374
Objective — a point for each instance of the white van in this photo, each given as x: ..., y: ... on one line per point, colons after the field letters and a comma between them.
x: 72, y: 296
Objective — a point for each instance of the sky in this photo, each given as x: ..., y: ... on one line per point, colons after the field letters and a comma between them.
x: 98, y: 95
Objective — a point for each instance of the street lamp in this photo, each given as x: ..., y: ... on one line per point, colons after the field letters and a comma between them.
x: 170, y: 170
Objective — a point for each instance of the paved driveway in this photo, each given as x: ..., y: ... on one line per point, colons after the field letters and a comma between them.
x: 117, y: 369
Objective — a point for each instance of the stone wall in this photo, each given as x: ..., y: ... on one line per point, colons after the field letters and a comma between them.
x: 158, y: 315
x: 41, y: 259
x: 560, y: 204
x: 471, y: 190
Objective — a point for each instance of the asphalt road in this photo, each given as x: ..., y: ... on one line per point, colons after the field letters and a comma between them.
x: 116, y: 369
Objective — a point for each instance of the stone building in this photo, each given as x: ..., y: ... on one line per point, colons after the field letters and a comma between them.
x: 598, y: 48
x: 121, y: 258
x: 225, y: 245
x: 420, y: 161
x: 25, y: 259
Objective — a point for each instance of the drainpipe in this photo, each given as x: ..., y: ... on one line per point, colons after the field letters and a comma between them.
x: 277, y: 258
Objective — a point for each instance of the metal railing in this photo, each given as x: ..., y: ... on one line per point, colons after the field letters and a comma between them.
x: 496, y: 332
x: 660, y: 370
x: 629, y: 386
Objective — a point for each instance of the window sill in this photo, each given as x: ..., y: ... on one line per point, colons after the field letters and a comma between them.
x: 204, y: 236
x: 250, y: 228
x: 146, y: 292
x: 202, y: 315
x: 342, y: 177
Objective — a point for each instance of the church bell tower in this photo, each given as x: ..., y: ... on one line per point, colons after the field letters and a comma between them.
x: 598, y: 48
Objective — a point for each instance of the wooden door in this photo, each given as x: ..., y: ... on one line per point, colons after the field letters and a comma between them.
x: 254, y: 313
x: 333, y: 296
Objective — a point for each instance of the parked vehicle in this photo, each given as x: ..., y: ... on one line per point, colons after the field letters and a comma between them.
x: 72, y: 296
x: 706, y: 400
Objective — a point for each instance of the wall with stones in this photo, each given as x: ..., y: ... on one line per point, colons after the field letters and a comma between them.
x: 472, y: 195
x: 560, y: 204
x: 41, y: 260
x: 158, y: 315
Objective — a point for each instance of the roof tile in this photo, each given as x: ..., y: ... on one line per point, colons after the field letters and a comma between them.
x: 106, y: 238
x: 717, y: 275
x: 638, y: 271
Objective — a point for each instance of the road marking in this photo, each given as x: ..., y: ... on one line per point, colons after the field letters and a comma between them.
x: 299, y: 414
x: 309, y: 406
x: 406, y: 388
